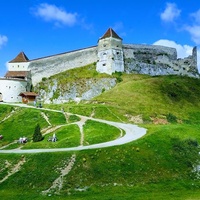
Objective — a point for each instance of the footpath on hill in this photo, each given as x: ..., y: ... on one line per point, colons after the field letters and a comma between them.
x: 132, y: 132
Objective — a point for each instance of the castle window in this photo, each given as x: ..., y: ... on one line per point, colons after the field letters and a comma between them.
x: 18, y: 66
x: 104, y: 54
x: 104, y: 64
x: 117, y: 53
x: 104, y: 45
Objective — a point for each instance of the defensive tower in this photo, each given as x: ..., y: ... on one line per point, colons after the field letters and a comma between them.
x: 110, y: 53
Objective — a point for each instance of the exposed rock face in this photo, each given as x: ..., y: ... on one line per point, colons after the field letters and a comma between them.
x: 158, y: 60
x: 83, y: 90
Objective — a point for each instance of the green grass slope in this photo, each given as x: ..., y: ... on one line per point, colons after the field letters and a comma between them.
x: 154, y: 96
x: 161, y: 165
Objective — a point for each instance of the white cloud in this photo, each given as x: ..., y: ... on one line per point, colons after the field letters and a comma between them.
x: 196, y: 16
x: 55, y: 14
x: 194, y: 29
x: 194, y: 32
x: 182, y: 50
x: 3, y: 40
x: 170, y: 13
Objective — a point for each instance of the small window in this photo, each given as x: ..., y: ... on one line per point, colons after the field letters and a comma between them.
x: 104, y: 45
x: 104, y: 64
x: 104, y: 54
x: 117, y: 53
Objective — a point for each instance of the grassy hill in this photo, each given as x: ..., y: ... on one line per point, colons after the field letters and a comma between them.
x: 161, y: 165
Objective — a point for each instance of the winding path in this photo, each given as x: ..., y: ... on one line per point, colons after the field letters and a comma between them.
x: 132, y: 132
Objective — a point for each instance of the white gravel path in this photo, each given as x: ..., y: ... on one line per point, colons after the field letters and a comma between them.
x: 132, y: 132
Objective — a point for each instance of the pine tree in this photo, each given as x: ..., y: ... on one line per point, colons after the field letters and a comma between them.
x: 37, y: 136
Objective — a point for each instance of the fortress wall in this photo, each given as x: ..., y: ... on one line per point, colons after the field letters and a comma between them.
x: 133, y: 51
x: 158, y: 60
x: 11, y: 88
x: 48, y: 66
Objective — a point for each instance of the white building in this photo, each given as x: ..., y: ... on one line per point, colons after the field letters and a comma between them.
x: 16, y: 80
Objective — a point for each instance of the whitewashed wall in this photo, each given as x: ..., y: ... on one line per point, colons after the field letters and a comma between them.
x: 11, y: 88
x: 20, y: 66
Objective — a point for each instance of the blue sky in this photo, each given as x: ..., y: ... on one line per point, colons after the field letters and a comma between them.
x: 43, y: 28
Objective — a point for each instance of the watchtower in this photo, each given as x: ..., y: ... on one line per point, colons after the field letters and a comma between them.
x: 110, y: 53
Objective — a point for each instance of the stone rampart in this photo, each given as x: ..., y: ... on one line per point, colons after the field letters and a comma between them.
x: 142, y: 59
x: 158, y: 60
x: 134, y: 51
x: 48, y: 66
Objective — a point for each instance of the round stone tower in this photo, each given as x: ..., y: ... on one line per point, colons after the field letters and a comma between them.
x: 110, y: 53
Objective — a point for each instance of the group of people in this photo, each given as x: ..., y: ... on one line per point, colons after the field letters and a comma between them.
x: 53, y: 139
x: 23, y: 140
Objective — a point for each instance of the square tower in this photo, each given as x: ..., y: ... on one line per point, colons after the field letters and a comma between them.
x: 110, y: 53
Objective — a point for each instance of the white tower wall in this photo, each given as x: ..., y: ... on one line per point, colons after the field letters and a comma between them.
x: 11, y: 88
x: 18, y: 66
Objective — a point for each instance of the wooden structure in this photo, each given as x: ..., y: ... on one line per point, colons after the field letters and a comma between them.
x: 28, y: 97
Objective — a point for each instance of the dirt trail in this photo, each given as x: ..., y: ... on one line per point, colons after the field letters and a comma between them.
x: 58, y: 183
x: 14, y: 169
x: 81, y: 124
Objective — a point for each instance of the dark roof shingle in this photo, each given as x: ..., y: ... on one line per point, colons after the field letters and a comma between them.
x: 21, y: 57
x: 110, y: 33
x: 26, y: 94
x: 16, y: 74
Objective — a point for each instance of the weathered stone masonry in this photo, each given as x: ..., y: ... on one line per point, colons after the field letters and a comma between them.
x: 110, y: 55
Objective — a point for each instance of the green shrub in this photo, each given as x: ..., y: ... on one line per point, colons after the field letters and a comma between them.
x: 37, y: 136
x: 171, y: 118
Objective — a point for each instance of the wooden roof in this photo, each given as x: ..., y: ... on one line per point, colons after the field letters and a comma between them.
x: 110, y: 33
x: 21, y: 57
x: 28, y: 94
x: 14, y: 74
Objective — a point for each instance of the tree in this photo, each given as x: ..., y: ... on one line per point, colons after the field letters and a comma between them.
x: 37, y: 136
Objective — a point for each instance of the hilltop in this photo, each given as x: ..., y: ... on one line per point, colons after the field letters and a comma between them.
x: 163, y: 164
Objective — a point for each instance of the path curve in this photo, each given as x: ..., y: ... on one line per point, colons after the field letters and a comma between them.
x: 132, y: 132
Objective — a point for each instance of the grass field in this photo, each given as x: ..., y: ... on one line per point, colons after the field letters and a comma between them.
x: 161, y: 165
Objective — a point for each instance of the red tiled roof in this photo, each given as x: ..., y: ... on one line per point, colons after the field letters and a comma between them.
x: 16, y: 74
x: 23, y: 94
x: 21, y: 57
x: 110, y: 33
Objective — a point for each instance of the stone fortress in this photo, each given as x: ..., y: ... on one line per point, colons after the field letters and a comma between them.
x: 110, y: 55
